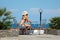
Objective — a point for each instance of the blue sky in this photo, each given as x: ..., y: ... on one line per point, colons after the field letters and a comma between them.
x: 50, y: 8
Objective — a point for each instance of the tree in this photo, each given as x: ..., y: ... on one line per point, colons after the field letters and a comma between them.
x: 5, y: 18
x: 55, y: 23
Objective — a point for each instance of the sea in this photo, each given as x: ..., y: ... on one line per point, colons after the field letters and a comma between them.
x: 32, y: 26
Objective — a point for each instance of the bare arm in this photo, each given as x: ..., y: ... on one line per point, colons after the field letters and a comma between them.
x: 28, y: 19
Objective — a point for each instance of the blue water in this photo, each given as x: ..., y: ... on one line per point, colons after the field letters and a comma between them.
x: 32, y: 26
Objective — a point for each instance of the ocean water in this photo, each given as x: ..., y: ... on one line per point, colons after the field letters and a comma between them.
x: 32, y: 26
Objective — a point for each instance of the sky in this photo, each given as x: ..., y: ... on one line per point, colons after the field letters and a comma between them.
x: 50, y: 8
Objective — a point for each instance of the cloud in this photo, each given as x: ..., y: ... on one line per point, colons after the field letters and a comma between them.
x: 36, y: 10
x: 52, y: 10
x: 14, y: 10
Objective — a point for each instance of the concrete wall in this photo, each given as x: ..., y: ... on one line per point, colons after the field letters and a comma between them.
x: 15, y: 33
x: 9, y: 33
x: 53, y: 32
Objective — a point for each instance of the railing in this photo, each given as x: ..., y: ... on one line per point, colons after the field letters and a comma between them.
x: 36, y: 24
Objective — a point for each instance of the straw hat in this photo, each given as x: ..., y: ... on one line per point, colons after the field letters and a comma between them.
x: 24, y: 13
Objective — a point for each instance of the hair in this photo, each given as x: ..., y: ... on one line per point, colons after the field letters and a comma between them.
x: 22, y: 16
x: 26, y: 14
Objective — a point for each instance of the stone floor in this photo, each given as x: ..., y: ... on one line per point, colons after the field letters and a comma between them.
x: 33, y: 37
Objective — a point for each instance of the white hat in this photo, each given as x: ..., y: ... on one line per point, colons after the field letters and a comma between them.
x: 24, y: 13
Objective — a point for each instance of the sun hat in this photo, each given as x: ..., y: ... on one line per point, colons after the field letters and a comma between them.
x: 24, y: 13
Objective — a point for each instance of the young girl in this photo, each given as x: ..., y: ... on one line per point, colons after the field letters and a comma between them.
x: 24, y: 21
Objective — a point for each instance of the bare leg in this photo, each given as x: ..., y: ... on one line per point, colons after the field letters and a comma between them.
x: 27, y: 26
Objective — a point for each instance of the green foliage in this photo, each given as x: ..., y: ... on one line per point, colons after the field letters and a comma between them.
x: 49, y: 28
x: 5, y: 17
x: 55, y: 23
x: 2, y: 11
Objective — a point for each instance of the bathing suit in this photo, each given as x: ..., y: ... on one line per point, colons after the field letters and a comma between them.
x: 22, y: 27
